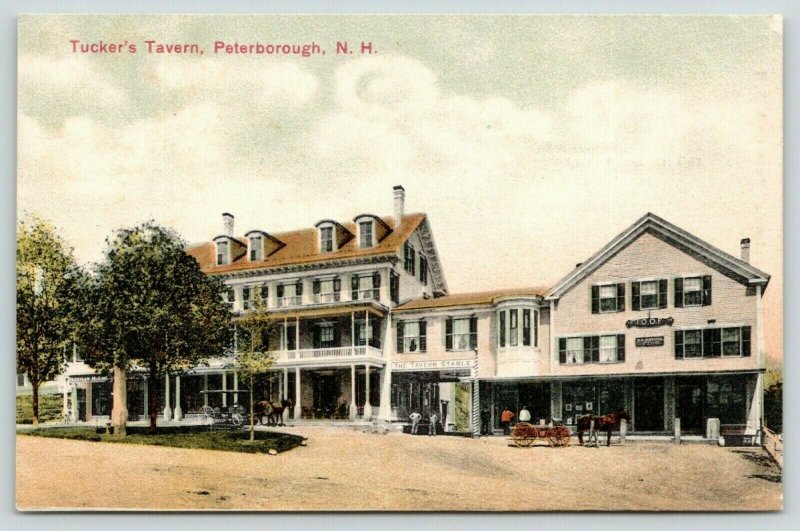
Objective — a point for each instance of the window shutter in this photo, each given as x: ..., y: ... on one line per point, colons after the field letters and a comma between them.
x: 280, y: 291
x: 745, y: 341
x: 596, y: 349
x: 595, y: 299
x: 502, y: 328
x: 635, y: 286
x: 315, y: 288
x: 587, y: 349
x: 473, y: 332
x: 423, y: 336
x: 376, y: 280
x: 406, y: 255
x: 299, y: 288
x: 678, y: 344
x: 620, y: 347
x: 536, y: 328
x: 413, y: 261
x: 707, y: 290
x: 526, y: 327
x: 400, y: 338
x: 337, y: 284
x: 662, y: 293
x: 716, y: 342
x: 264, y: 294
x: 448, y: 334
x: 354, y: 287
x: 679, y: 293
x: 621, y: 297
x: 562, y: 350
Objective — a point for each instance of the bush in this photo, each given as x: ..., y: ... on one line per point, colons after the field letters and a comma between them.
x: 773, y: 405
x: 197, y: 437
x: 50, y: 408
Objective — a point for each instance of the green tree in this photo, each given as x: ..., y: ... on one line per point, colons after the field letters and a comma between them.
x: 151, y: 308
x: 773, y: 399
x: 48, y: 281
x: 253, y: 357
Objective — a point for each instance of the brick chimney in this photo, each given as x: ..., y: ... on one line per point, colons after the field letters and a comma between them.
x: 227, y: 224
x: 746, y: 250
x: 399, y: 203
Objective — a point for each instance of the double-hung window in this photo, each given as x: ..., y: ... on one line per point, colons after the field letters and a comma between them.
x: 256, y: 248
x: 608, y: 298
x: 591, y: 349
x: 365, y: 231
x: 327, y: 290
x: 326, y: 239
x: 409, y: 258
x: 246, y: 302
x: 461, y: 333
x: 230, y: 297
x: 693, y: 291
x: 574, y: 350
x: 649, y: 294
x: 326, y: 335
x: 366, y: 287
x: 712, y: 342
x: 222, y: 253
x: 411, y: 336
x: 513, y: 327
x: 608, y: 349
x: 290, y: 294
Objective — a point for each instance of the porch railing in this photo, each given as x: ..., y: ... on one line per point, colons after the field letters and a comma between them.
x: 330, y: 353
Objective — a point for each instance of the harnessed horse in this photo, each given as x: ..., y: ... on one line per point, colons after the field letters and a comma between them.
x: 273, y: 412
x: 604, y: 422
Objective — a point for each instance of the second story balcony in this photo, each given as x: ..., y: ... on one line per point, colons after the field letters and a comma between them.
x: 289, y: 302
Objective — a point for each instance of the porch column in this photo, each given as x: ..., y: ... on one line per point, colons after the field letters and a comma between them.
x: 167, y: 410
x: 88, y: 399
x: 353, y: 330
x: 669, y: 402
x: 74, y: 392
x: 297, y: 334
x: 285, y: 387
x: 367, y: 405
x: 280, y: 387
x: 236, y: 388
x: 297, y: 392
x: 146, y: 397
x: 385, y: 411
x: 205, y: 388
x: 754, y: 387
x: 556, y: 407
x: 178, y: 410
x: 353, y: 406
x: 224, y: 388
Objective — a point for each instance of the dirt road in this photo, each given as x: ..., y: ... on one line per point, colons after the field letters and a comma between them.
x: 349, y: 470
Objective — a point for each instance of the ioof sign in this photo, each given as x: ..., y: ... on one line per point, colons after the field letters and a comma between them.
x: 657, y: 341
x: 650, y: 322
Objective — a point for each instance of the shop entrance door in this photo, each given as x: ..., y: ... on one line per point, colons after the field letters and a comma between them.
x: 648, y: 405
x: 690, y: 404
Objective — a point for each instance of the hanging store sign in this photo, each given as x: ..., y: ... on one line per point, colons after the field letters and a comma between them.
x: 433, y: 365
x: 657, y: 341
x: 650, y: 322
x: 88, y: 378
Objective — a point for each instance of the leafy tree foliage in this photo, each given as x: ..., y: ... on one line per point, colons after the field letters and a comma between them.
x: 149, y: 307
x: 48, y: 281
x: 253, y: 357
x: 773, y: 400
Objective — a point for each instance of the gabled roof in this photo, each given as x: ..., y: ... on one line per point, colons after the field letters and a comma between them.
x: 650, y: 223
x: 482, y: 298
x: 301, y: 247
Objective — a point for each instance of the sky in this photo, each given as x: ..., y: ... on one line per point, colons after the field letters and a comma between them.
x: 530, y: 141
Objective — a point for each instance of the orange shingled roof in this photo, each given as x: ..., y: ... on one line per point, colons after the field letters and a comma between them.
x: 468, y: 299
x: 302, y: 247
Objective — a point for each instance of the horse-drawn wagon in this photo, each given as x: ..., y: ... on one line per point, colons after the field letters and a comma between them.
x: 524, y: 434
x: 224, y: 416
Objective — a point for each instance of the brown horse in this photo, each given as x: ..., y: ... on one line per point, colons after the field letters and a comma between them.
x: 604, y: 422
x: 273, y: 412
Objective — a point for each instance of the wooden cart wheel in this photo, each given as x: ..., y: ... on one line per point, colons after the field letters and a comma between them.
x: 524, y: 434
x: 237, y: 420
x: 558, y: 436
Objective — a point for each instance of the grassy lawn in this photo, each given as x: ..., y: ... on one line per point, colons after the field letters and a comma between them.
x: 49, y: 408
x: 199, y: 437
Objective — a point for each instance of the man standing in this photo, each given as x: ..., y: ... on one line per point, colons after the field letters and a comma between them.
x: 505, y: 420
x: 414, y: 422
x: 432, y: 426
x: 524, y: 415
x: 485, y: 417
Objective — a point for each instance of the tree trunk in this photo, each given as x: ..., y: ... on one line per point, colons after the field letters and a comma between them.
x: 252, y: 423
x: 154, y: 394
x: 35, y: 402
x: 119, y: 410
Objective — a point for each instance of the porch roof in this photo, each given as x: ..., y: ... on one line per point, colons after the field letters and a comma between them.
x: 327, y: 310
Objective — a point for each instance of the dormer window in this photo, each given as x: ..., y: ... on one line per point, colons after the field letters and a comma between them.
x: 256, y: 248
x: 222, y: 253
x: 365, y: 234
x: 326, y: 239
